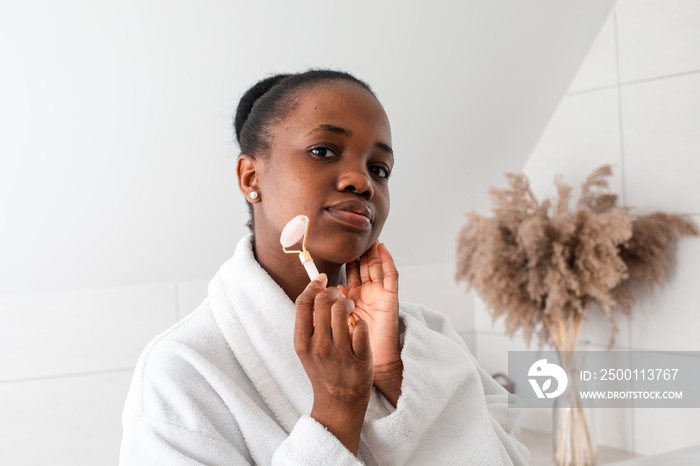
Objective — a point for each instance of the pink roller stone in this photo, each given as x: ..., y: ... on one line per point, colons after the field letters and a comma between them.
x: 293, y: 231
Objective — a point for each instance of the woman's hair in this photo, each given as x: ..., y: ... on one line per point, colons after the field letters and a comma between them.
x: 269, y: 102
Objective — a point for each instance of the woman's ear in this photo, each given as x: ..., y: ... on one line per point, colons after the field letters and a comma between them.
x: 248, y: 177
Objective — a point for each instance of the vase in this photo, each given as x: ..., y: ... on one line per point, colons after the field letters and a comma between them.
x: 573, y: 441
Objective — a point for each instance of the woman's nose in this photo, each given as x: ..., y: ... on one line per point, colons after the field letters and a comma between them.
x: 356, y: 180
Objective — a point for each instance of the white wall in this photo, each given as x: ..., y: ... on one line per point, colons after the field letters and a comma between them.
x: 118, y: 158
x: 117, y: 192
x: 633, y: 104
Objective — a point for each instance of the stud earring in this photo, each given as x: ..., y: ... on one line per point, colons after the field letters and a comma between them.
x: 253, y: 195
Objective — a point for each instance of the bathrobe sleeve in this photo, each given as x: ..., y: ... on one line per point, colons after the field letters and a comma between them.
x: 182, y: 409
x: 174, y: 415
x: 155, y: 442
x: 310, y: 443
x: 450, y: 409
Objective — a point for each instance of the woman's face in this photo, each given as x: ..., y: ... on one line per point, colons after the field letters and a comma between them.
x: 329, y: 160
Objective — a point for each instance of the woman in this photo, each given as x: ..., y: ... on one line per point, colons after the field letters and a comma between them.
x: 274, y: 369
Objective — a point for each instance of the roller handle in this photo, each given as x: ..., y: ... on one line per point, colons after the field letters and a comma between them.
x: 311, y: 269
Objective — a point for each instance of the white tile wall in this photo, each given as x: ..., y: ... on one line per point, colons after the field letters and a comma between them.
x: 63, y: 421
x: 80, y: 331
x: 493, y: 351
x: 658, y: 37
x: 599, y: 69
x: 615, y: 428
x: 608, y: 427
x: 434, y: 286
x: 658, y: 430
x: 662, y: 143
x: 190, y: 295
x: 470, y: 339
x: 583, y: 134
x: 667, y: 319
x: 483, y: 321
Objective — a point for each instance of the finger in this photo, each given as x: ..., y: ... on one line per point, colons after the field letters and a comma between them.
x: 360, y: 341
x: 340, y: 313
x: 322, y: 311
x: 352, y: 270
x: 391, y: 273
x: 375, y: 265
x: 343, y: 290
x: 364, y: 269
x: 304, y: 304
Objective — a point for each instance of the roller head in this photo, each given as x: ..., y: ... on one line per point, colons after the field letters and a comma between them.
x: 293, y: 231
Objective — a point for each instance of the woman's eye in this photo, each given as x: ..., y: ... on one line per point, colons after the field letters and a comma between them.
x: 322, y: 152
x: 380, y: 171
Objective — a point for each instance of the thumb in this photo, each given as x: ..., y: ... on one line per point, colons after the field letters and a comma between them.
x: 360, y: 341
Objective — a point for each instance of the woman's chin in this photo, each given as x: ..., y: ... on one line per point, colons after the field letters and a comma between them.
x: 338, y: 248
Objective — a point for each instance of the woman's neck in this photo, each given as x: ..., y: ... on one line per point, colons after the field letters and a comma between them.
x: 288, y: 272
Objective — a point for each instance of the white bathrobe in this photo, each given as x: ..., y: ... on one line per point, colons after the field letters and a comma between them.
x: 225, y: 387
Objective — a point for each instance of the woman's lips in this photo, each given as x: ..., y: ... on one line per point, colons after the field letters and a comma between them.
x: 355, y: 213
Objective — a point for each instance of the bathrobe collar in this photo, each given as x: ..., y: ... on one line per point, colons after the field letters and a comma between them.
x: 257, y: 318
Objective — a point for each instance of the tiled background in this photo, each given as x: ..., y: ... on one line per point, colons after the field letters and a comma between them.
x: 635, y: 103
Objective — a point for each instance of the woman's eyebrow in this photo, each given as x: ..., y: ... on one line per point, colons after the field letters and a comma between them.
x: 386, y: 148
x: 332, y: 129
x: 346, y: 132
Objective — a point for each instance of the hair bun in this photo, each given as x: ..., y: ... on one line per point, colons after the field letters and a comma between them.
x: 245, y: 105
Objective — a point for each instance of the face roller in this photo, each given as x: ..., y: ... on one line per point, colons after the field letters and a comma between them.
x: 296, y: 230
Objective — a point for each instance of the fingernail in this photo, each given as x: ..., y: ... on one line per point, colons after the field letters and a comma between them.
x: 321, y: 279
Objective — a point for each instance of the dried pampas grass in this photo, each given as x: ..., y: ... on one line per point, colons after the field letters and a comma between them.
x: 541, y: 266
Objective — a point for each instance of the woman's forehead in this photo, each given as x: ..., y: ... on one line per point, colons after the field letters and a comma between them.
x: 339, y: 103
x: 331, y: 94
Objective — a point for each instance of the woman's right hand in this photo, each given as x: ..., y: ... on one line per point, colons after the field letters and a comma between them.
x: 338, y: 363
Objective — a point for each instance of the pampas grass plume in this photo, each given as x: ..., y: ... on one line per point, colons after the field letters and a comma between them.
x: 541, y: 266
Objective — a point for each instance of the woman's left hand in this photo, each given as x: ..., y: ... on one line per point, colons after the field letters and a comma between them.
x: 373, y: 284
